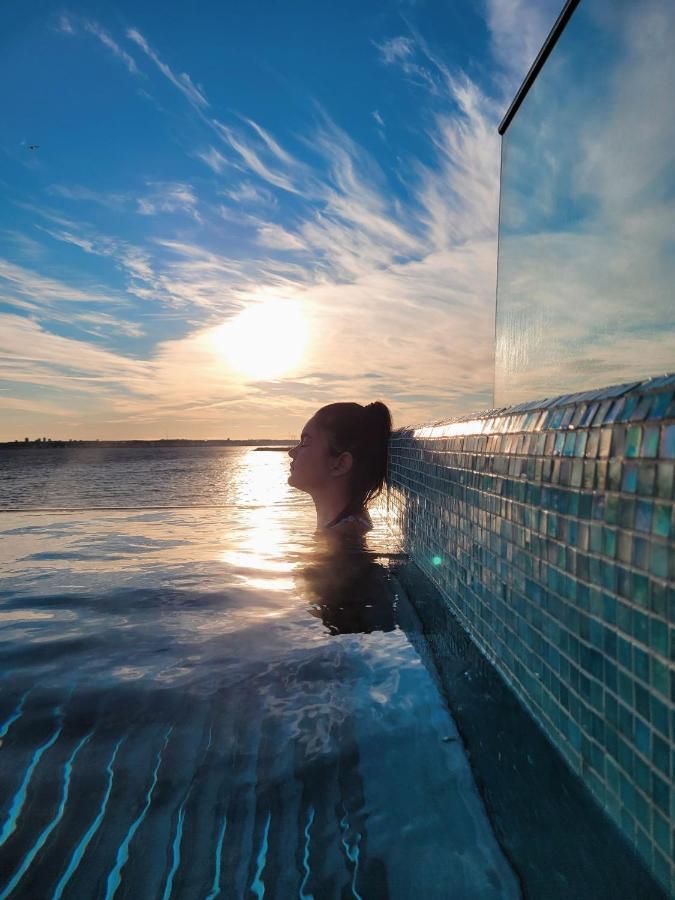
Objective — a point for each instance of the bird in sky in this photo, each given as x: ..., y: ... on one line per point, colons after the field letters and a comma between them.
x: 33, y: 146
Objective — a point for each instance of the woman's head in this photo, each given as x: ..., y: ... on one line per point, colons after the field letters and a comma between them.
x: 343, y: 446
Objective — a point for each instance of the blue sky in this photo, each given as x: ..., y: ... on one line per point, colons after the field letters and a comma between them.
x: 238, y: 213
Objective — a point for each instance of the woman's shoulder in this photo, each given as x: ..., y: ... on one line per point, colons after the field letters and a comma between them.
x: 361, y: 522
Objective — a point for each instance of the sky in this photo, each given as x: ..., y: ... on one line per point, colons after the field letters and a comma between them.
x: 218, y: 218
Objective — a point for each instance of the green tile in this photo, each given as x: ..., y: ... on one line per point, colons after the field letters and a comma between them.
x: 641, y: 664
x: 640, y: 591
x: 661, y: 520
x: 661, y: 832
x: 633, y: 442
x: 658, y: 563
x: 660, y: 677
x: 659, y: 715
x: 609, y: 542
x: 661, y: 755
x: 660, y: 793
x: 658, y: 630
x: 650, y: 442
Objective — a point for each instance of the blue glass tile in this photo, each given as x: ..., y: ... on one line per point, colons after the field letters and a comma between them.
x: 660, y: 793
x: 631, y: 403
x: 614, y: 475
x: 641, y: 664
x: 590, y: 413
x: 643, y: 515
x: 641, y: 547
x: 609, y: 576
x: 667, y: 449
x: 567, y: 417
x: 603, y: 409
x: 659, y: 715
x: 568, y: 446
x: 641, y: 411
x: 640, y: 589
x: 661, y: 755
x: 623, y: 621
x: 615, y: 410
x: 660, y: 676
x: 580, y: 443
x: 661, y: 832
x: 641, y: 699
x: 629, y: 483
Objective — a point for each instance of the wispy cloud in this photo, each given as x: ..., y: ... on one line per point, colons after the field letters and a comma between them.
x: 115, y: 201
x: 517, y: 30
x: 252, y: 159
x: 182, y: 81
x: 401, y: 51
x: 214, y: 159
x: 105, y: 38
x: 168, y: 197
x: 275, y: 236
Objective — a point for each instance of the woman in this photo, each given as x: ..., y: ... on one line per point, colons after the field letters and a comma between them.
x: 341, y: 461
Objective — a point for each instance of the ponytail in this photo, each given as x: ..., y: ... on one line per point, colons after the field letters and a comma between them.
x: 364, y: 431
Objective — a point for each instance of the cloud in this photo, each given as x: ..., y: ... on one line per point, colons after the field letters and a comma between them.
x: 182, y: 81
x: 168, y: 197
x: 251, y: 157
x: 246, y: 192
x: 103, y: 36
x: 77, y: 192
x: 399, y: 52
x: 396, y: 49
x: 279, y: 238
x: 518, y: 29
x: 214, y: 159
x: 65, y: 25
x: 133, y: 260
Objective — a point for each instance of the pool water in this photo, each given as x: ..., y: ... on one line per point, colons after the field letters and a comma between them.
x: 208, y: 703
x: 202, y: 703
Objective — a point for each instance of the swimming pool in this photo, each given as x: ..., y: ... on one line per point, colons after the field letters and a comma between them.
x: 204, y: 703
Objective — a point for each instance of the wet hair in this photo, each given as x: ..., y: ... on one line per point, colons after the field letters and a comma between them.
x: 364, y: 431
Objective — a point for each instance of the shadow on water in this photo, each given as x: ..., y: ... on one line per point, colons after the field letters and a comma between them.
x: 347, y: 588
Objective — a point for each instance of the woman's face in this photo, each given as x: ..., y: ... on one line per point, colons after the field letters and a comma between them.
x: 311, y: 460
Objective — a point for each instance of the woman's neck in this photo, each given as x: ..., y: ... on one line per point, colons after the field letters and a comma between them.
x: 328, y: 507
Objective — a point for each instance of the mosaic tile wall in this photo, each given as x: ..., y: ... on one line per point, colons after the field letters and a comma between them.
x: 549, y: 527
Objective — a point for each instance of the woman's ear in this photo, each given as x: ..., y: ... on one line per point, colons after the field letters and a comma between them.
x: 344, y: 463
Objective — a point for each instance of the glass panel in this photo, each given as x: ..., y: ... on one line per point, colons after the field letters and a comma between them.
x: 587, y: 218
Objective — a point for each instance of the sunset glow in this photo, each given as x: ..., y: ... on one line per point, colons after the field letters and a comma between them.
x: 264, y: 341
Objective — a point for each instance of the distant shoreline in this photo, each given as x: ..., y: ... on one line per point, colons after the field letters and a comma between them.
x: 272, y: 443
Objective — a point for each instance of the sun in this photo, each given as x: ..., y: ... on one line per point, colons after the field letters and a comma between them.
x: 265, y: 340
